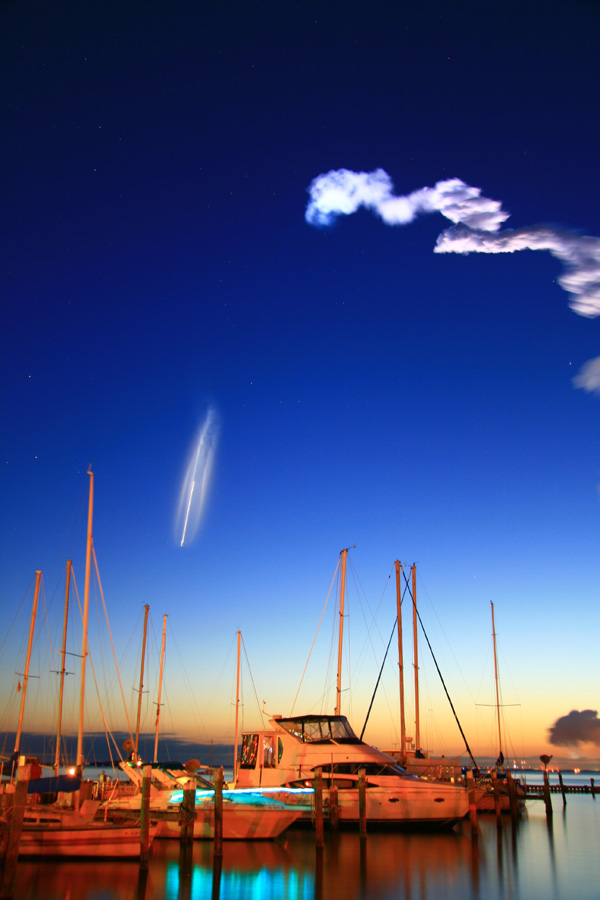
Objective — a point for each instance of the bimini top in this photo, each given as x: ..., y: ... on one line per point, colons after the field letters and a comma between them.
x: 319, y: 729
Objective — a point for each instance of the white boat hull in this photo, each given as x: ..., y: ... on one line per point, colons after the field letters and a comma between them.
x: 250, y: 818
x: 239, y: 824
x: 436, y: 806
x: 104, y: 840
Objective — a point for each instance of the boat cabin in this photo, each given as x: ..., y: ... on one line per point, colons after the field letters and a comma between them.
x: 289, y: 752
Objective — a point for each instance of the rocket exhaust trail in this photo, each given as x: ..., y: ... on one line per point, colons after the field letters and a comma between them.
x: 196, y: 482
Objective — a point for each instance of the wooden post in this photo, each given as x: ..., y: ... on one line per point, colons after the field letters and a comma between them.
x: 216, y: 877
x: 592, y: 787
x: 145, y: 817
x: 319, y: 838
x: 218, y: 836
x: 515, y: 809
x: 334, y: 808
x: 472, y: 806
x: 547, y: 797
x: 562, y: 789
x: 188, y: 813
x: 14, y: 831
x: 362, y: 802
x: 497, y: 806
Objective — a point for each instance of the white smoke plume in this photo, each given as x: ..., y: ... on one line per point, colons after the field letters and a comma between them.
x: 341, y: 192
x: 589, y: 376
x: 477, y: 229
x: 477, y: 223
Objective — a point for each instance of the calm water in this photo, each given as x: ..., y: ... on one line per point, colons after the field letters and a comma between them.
x: 532, y: 860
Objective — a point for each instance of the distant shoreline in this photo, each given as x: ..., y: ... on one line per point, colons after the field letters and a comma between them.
x: 170, y: 748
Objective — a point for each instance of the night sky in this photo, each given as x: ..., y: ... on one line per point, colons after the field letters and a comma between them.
x: 166, y: 307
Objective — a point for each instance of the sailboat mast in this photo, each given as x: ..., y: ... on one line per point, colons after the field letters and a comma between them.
x: 500, y: 754
x: 416, y: 658
x: 338, y: 703
x: 237, y: 710
x: 139, y: 709
x: 160, y: 678
x: 86, y: 606
x: 36, y: 594
x: 62, y: 669
x: 398, y: 565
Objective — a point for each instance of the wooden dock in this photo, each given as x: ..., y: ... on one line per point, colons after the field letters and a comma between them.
x: 536, y: 791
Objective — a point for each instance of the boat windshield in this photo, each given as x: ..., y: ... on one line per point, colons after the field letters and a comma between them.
x: 320, y: 729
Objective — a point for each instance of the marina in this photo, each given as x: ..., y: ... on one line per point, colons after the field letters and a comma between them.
x: 311, y: 810
x: 535, y: 858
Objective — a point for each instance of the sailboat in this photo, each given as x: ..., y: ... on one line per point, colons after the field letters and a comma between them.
x: 288, y: 753
x: 411, y: 755
x: 77, y: 832
x: 492, y: 792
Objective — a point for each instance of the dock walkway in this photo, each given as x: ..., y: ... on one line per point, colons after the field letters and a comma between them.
x: 536, y: 791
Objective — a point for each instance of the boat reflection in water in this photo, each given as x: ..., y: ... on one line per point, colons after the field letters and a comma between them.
x: 528, y: 859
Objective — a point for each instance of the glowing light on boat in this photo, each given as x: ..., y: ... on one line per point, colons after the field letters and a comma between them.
x: 268, y: 796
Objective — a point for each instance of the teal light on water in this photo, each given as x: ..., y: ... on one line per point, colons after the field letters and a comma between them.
x: 262, y: 884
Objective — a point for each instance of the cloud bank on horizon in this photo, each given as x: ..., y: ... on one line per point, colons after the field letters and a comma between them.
x: 477, y: 228
x: 578, y: 727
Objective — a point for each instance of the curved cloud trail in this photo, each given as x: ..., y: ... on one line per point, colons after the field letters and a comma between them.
x: 477, y: 228
x: 342, y: 192
x: 197, y: 479
x: 580, y: 254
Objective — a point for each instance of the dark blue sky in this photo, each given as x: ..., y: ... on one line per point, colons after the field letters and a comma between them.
x: 156, y: 263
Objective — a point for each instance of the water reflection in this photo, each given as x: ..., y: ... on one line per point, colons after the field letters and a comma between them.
x: 533, y: 858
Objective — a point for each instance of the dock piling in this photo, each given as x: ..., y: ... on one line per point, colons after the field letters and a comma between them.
x: 497, y: 804
x: 334, y: 808
x: 547, y: 797
x: 515, y: 809
x: 218, y: 836
x: 319, y: 837
x: 362, y: 802
x: 145, y: 817
x: 562, y: 789
x: 188, y: 813
x: 15, y: 828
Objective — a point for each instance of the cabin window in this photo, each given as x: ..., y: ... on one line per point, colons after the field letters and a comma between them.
x: 279, y: 750
x: 249, y: 751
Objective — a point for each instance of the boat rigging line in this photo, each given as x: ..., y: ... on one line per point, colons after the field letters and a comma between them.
x: 407, y: 588
x: 440, y: 674
x: 378, y: 679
